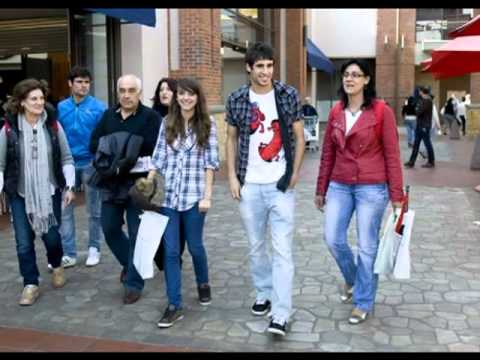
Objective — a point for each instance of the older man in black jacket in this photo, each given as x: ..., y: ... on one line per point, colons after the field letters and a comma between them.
x: 130, y: 116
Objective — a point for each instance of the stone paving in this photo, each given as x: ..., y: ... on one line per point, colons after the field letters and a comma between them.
x: 438, y: 309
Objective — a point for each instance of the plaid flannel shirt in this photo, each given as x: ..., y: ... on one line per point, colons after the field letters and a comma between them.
x: 183, y: 167
x: 239, y: 114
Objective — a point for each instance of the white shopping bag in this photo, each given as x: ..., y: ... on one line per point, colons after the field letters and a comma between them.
x: 393, y: 256
x: 401, y: 269
x: 387, y: 248
x: 152, y: 226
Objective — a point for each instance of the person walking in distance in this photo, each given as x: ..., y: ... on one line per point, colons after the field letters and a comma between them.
x: 462, y: 113
x: 359, y: 172
x: 424, y: 110
x: 79, y: 115
x: 265, y: 149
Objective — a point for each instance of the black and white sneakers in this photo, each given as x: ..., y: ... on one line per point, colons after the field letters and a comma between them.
x: 277, y: 327
x: 261, y: 307
x: 171, y: 315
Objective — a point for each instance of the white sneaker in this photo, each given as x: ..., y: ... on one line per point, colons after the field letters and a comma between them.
x: 50, y: 268
x: 68, y: 261
x: 93, y: 256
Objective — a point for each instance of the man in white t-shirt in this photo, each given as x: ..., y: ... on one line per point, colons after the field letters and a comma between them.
x: 265, y: 148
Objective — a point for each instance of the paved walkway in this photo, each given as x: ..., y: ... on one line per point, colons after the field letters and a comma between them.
x: 438, y: 309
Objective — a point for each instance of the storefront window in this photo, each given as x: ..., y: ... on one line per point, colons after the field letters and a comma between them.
x: 241, y: 28
x: 91, y: 30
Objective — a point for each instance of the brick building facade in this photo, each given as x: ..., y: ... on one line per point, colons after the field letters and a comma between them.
x: 200, y: 42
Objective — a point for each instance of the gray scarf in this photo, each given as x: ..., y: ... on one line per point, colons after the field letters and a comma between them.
x: 38, y: 197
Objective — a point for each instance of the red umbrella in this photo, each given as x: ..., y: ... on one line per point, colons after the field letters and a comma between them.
x: 457, y: 57
x: 468, y: 29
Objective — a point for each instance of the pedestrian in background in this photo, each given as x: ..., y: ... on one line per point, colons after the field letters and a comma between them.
x: 35, y: 166
x: 360, y: 171
x: 265, y: 149
x: 424, y: 110
x: 162, y: 98
x: 308, y: 109
x: 79, y: 114
x: 462, y: 113
x: 410, y: 119
x: 186, y: 155
x: 450, y: 114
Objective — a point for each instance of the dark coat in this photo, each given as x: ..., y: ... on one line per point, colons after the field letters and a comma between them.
x: 116, y: 155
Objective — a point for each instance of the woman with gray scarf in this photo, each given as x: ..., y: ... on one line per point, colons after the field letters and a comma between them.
x: 35, y: 166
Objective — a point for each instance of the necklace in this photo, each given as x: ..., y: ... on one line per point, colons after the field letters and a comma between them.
x: 354, y: 113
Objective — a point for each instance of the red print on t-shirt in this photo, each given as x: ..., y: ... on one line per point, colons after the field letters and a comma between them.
x: 270, y: 151
x: 257, y: 118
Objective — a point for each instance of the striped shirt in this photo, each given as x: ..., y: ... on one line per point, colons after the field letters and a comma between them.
x: 183, y: 166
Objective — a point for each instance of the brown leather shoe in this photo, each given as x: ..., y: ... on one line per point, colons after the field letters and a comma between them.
x: 30, y: 294
x: 131, y: 297
x: 58, y: 277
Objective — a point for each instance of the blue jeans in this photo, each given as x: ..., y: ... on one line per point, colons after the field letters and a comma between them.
x: 190, y: 223
x: 422, y: 134
x: 94, y: 207
x: 24, y: 237
x: 272, y: 276
x: 122, y: 246
x: 410, y: 125
x: 369, y: 203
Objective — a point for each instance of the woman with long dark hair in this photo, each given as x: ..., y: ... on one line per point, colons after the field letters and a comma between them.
x: 186, y: 155
x: 35, y: 165
x: 163, y: 96
x: 360, y: 172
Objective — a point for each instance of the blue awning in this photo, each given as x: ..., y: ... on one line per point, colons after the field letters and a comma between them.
x: 317, y: 59
x: 139, y: 16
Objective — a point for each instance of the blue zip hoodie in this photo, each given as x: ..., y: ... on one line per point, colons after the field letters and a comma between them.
x: 79, y: 121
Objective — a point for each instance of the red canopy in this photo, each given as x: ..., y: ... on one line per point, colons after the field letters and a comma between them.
x: 468, y: 29
x: 457, y: 57
x: 426, y: 64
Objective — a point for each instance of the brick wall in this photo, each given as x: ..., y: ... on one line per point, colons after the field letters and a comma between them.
x: 200, y: 42
x: 392, y: 58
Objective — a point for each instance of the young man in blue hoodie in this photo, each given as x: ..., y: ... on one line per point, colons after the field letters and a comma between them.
x: 79, y: 115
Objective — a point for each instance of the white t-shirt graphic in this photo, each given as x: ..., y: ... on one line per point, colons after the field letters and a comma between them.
x: 266, y: 157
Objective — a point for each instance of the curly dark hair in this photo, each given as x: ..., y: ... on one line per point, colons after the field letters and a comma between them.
x: 157, y: 105
x: 259, y: 51
x: 200, y: 122
x: 21, y: 91
x: 369, y: 92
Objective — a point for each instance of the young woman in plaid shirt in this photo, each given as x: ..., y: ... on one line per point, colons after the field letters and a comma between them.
x: 186, y: 155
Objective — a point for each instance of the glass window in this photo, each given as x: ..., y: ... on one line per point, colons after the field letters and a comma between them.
x: 241, y: 28
x: 435, y: 24
x: 92, y: 51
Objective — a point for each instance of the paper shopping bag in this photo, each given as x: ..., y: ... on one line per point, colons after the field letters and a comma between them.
x: 152, y: 226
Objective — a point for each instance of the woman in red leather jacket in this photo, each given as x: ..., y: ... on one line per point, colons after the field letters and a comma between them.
x: 360, y: 171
